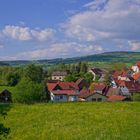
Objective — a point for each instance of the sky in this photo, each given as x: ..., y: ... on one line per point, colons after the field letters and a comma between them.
x: 47, y: 29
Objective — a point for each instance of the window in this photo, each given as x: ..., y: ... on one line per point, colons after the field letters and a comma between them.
x: 99, y: 99
x: 93, y: 99
x: 61, y: 96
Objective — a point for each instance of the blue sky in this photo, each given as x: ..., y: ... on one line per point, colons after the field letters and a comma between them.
x: 46, y: 29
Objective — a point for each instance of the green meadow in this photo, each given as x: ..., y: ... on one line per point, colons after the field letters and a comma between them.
x: 73, y: 121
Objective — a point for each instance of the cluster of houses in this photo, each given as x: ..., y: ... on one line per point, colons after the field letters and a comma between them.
x: 122, y: 86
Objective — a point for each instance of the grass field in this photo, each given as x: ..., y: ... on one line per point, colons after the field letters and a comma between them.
x: 74, y: 121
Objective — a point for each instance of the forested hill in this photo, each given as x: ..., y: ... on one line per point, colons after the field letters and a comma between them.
x: 3, y: 64
x: 103, y: 57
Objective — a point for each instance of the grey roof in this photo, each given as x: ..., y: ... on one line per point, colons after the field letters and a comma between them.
x: 59, y: 73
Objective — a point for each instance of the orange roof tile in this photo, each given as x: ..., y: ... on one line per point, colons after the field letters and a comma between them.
x: 136, y: 76
x: 116, y: 98
x: 51, y: 86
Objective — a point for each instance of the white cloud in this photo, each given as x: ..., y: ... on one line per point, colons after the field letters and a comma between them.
x: 25, y: 33
x: 43, y: 35
x: 112, y: 19
x: 60, y: 50
x: 16, y: 32
x: 135, y: 46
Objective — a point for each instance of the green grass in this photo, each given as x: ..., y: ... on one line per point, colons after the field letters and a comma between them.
x: 74, y: 121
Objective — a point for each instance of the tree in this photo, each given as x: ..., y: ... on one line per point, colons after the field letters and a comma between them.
x: 83, y: 67
x: 92, y: 87
x: 88, y: 77
x: 70, y: 78
x: 13, y: 79
x: 34, y: 73
x: 28, y: 91
x: 107, y: 78
x: 46, y: 95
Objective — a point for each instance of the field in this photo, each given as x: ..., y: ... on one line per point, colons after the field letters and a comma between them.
x: 74, y: 121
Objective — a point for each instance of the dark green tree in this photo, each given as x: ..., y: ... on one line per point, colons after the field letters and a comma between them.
x: 88, y: 77
x: 34, y: 73
x: 28, y: 91
x: 83, y: 67
x: 70, y: 78
x: 12, y: 79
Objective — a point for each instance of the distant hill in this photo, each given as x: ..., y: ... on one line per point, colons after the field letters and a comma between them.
x: 109, y: 57
x: 129, y: 57
x: 3, y: 64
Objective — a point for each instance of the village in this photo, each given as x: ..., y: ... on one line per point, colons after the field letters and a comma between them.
x: 123, y: 85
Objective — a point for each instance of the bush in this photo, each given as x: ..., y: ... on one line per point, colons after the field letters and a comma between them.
x: 34, y: 73
x: 136, y: 97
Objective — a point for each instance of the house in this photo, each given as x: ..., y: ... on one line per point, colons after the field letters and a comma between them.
x: 121, y: 75
x: 100, y: 88
x: 63, y: 91
x: 52, y: 81
x: 86, y: 95
x: 136, y: 77
x: 113, y: 91
x: 127, y: 88
x: 5, y: 96
x: 64, y: 95
x: 117, y: 98
x: 83, y: 94
x: 59, y: 75
x: 97, y: 73
x: 82, y: 83
x: 136, y: 67
x: 62, y: 86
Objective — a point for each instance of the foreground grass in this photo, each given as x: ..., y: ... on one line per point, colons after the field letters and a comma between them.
x: 74, y: 121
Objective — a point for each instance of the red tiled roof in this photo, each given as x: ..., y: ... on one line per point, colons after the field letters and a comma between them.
x: 84, y: 93
x: 116, y: 74
x: 51, y: 86
x: 136, y: 76
x: 112, y: 91
x: 63, y: 86
x: 122, y: 73
x: 68, y: 85
x: 79, y: 81
x: 138, y: 64
x: 120, y: 82
x: 99, y: 86
x: 133, y: 86
x: 116, y: 98
x: 65, y: 92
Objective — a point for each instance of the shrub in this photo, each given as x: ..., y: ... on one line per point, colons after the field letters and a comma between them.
x: 136, y: 97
